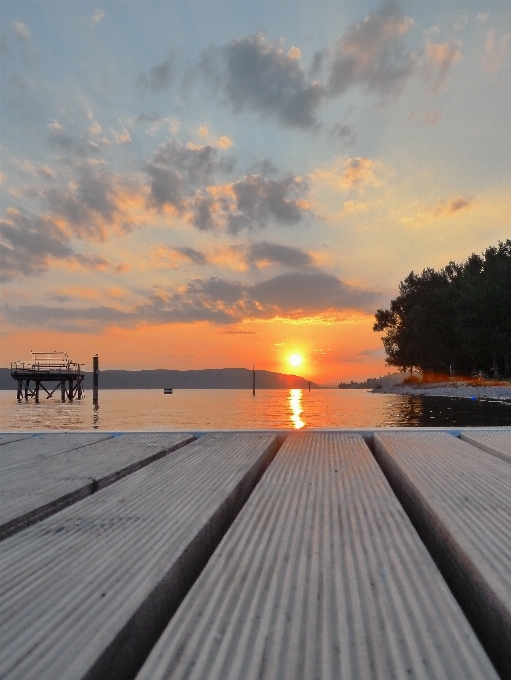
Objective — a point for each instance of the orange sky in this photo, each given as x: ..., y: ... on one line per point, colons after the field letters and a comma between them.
x: 330, y: 352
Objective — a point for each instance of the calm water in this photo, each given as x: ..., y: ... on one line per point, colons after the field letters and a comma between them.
x: 237, y: 409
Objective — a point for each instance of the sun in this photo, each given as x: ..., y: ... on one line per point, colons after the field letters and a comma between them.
x: 295, y: 359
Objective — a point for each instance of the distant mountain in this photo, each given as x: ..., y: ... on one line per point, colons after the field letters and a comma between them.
x: 210, y: 378
x: 388, y: 380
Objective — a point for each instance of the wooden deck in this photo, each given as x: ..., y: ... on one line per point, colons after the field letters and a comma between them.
x: 335, y: 555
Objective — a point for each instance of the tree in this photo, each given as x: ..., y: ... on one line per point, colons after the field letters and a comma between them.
x: 457, y: 317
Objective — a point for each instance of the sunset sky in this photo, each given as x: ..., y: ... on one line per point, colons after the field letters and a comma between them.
x: 214, y: 184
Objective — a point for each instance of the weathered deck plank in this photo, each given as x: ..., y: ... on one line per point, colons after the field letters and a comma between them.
x: 322, y: 576
x: 86, y: 592
x: 7, y: 437
x: 459, y: 498
x: 27, y: 451
x: 32, y: 491
x: 491, y: 441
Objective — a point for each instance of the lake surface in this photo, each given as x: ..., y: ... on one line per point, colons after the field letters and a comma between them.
x: 194, y: 410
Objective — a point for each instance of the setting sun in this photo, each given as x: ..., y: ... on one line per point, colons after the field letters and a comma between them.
x: 295, y: 359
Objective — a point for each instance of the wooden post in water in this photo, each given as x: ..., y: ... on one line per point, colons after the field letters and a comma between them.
x: 95, y: 376
x: 253, y: 380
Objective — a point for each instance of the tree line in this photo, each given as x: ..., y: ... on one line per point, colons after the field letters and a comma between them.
x: 456, y: 320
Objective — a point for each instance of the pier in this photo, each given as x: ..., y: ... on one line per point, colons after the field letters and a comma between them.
x: 48, y: 367
x: 273, y: 555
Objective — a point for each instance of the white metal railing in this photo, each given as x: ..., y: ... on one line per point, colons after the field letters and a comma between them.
x: 47, y: 362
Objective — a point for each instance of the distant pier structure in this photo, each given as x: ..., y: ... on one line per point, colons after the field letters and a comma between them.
x: 49, y: 368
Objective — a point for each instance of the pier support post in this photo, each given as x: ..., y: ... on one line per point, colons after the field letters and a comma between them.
x: 27, y: 383
x: 37, y: 385
x: 95, y: 376
x: 20, y: 389
x: 70, y: 391
x: 63, y: 390
x: 253, y: 380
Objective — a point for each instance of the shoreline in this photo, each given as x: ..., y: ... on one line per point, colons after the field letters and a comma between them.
x: 461, y: 389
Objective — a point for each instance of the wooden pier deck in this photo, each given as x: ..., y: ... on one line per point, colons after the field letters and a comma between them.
x: 310, y: 555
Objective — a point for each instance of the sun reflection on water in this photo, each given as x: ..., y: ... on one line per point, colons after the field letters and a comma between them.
x: 295, y: 403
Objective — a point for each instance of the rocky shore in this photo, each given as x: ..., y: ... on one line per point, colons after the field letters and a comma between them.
x: 451, y: 389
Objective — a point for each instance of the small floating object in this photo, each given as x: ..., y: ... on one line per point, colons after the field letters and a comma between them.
x: 474, y: 398
x: 168, y: 390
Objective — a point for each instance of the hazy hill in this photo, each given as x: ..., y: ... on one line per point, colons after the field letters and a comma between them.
x: 211, y: 378
x: 385, y: 381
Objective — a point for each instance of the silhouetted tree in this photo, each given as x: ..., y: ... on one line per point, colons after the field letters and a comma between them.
x: 457, y: 317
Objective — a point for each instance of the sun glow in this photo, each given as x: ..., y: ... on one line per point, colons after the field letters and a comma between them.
x: 295, y: 359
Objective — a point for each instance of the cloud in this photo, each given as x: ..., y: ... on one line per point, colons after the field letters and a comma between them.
x: 88, y: 206
x: 183, y: 177
x: 156, y: 122
x: 46, y: 172
x: 291, y: 296
x: 224, y: 142
x: 358, y: 171
x: 374, y: 54
x: 264, y: 168
x: 94, y: 262
x: 27, y: 245
x: 177, y: 171
x: 257, y: 75
x: 452, y: 206
x: 496, y: 50
x: 348, y: 174
x: 259, y: 200
x: 158, y: 78
x: 97, y: 17
x: 345, y: 133
x: 75, y: 145
x: 173, y: 257
x: 21, y: 30
x: 441, y: 56
x: 274, y: 253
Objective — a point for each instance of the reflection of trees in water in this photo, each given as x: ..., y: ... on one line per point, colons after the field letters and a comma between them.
x: 411, y: 411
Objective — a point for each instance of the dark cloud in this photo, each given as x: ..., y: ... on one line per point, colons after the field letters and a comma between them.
x: 179, y: 176
x: 157, y: 78
x: 147, y: 118
x: 74, y: 145
x: 374, y: 54
x: 202, y: 217
x: 254, y: 74
x: 264, y: 168
x: 90, y: 203
x: 258, y: 200
x: 91, y: 261
x: 177, y: 171
x: 28, y: 244
x: 279, y: 254
x: 345, y: 133
x: 191, y: 254
x: 292, y: 296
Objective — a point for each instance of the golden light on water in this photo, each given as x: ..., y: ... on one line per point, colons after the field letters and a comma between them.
x: 295, y: 403
x: 295, y: 359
